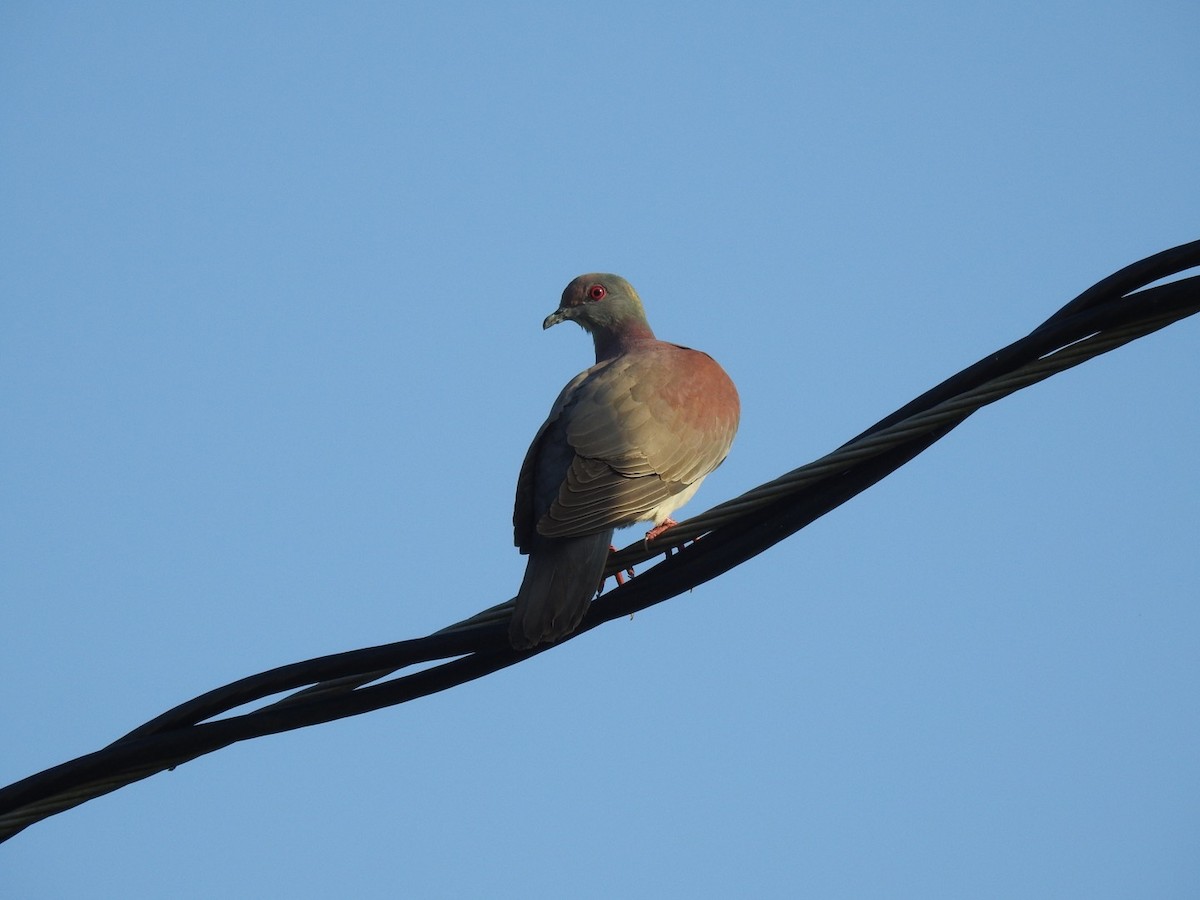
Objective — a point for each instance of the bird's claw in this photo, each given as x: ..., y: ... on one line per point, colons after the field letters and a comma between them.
x: 659, y: 529
x: 619, y: 575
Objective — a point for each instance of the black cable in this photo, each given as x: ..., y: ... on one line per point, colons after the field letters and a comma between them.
x: 341, y: 684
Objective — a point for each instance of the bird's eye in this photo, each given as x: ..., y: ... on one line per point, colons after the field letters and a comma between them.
x: 597, y: 292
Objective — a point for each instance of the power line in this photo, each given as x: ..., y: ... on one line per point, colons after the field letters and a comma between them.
x: 1115, y: 311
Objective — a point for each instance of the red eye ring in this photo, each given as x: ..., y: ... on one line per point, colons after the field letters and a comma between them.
x: 597, y: 292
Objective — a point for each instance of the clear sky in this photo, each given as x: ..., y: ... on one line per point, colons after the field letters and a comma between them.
x: 272, y: 278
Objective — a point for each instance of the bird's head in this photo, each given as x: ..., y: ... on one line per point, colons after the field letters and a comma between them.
x: 607, y: 307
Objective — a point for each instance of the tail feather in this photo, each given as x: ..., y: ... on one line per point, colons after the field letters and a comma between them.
x: 561, y: 578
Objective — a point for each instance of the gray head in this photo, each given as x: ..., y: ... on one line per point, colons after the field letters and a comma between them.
x: 608, y: 308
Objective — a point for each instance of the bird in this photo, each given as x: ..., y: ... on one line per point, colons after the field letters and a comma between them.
x: 628, y: 440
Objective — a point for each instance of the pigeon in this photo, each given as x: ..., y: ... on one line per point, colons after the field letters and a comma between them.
x: 628, y: 440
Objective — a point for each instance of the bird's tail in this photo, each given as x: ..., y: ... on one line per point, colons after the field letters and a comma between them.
x: 562, y: 576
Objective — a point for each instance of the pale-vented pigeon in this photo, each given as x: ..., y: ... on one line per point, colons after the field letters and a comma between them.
x: 629, y: 440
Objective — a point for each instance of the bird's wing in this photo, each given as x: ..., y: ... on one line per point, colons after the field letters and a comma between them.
x: 639, y: 429
x: 547, y: 452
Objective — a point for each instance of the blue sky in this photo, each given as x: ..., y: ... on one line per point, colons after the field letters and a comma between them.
x: 272, y: 280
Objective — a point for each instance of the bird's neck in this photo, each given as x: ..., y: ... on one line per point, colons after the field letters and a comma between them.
x: 611, y: 344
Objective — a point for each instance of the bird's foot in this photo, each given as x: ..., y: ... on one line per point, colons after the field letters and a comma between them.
x: 618, y: 575
x: 660, y: 528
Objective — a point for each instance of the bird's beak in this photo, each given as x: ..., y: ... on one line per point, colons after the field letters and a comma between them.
x: 559, y: 315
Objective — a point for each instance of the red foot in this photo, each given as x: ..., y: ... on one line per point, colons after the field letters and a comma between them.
x: 619, y: 576
x: 660, y: 528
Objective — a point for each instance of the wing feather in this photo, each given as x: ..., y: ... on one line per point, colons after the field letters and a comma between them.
x: 631, y: 433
